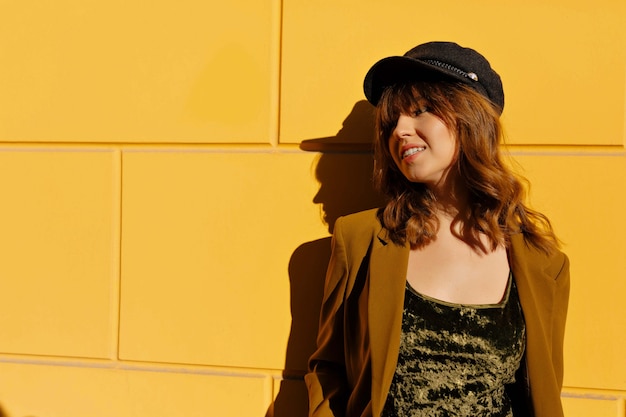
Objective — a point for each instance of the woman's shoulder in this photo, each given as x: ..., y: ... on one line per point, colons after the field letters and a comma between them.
x: 365, y: 220
x: 551, y: 263
x: 361, y: 226
x: 360, y: 217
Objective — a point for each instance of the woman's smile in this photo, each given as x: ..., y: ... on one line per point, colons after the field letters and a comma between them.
x: 410, y: 150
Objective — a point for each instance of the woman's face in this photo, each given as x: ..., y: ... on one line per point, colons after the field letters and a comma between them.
x: 423, y: 147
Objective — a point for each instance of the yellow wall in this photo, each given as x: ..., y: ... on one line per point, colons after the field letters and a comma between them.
x: 163, y: 235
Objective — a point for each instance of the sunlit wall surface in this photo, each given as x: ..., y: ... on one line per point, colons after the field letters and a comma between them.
x: 170, y: 173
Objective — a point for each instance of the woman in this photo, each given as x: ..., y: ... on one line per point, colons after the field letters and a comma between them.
x: 451, y: 299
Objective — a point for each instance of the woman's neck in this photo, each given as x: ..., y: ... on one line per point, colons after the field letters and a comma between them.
x: 451, y: 200
x: 454, y: 215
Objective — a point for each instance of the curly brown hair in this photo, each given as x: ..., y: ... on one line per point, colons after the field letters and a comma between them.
x: 496, y: 195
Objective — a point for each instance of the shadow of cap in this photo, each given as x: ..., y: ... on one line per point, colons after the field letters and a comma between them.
x: 356, y: 134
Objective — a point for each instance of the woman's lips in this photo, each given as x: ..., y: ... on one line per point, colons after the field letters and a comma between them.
x: 412, y: 150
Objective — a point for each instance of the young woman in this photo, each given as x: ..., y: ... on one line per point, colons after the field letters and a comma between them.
x: 451, y: 299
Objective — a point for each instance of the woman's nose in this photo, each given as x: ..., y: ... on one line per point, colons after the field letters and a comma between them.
x: 404, y: 127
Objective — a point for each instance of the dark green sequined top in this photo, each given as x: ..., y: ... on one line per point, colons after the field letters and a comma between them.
x: 456, y: 359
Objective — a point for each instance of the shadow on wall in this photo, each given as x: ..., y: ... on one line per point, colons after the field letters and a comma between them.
x: 344, y: 171
x: 4, y: 413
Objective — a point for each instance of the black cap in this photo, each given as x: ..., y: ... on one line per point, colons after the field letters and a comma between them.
x: 433, y: 61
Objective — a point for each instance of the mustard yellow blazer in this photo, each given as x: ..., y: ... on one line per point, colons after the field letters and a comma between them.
x: 360, y: 323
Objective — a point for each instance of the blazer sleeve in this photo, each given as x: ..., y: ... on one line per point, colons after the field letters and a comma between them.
x: 561, y: 301
x: 326, y: 378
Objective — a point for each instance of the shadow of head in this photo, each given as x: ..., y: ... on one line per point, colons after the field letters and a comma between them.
x: 344, y: 166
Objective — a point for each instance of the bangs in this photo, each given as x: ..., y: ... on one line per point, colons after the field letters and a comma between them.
x: 407, y: 98
x: 396, y: 100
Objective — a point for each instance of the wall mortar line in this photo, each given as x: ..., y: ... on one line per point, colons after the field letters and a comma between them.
x: 116, y: 257
x: 276, y: 67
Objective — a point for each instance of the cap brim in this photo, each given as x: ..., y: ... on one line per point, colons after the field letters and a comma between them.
x: 398, y: 69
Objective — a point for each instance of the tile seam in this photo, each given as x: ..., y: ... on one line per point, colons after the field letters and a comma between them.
x: 103, y: 364
x: 269, y: 392
x: 275, y: 70
x: 116, y: 279
x: 593, y: 393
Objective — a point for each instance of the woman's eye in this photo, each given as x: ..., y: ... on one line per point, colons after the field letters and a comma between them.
x: 420, y: 110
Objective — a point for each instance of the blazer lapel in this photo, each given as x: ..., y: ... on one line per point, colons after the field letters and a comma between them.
x: 387, y: 281
x: 535, y: 285
x: 535, y: 275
